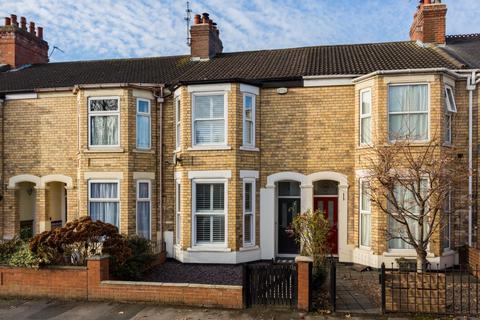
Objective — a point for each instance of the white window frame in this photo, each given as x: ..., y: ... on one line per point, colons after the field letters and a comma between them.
x: 364, y: 116
x: 117, y: 199
x: 178, y: 124
x: 149, y: 199
x: 225, y: 118
x: 252, y: 213
x: 409, y: 112
x: 144, y: 114
x: 194, y: 213
x: 178, y: 211
x: 449, y: 111
x: 244, y: 112
x: 362, y: 213
x: 92, y: 114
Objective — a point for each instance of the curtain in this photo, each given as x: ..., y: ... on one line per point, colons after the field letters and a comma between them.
x: 104, y: 210
x: 143, y: 132
x: 408, y: 107
x: 143, y: 219
x: 104, y: 130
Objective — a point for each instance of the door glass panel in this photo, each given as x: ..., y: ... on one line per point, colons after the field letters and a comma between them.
x: 289, y: 189
x: 325, y: 188
x: 330, y: 212
x: 320, y: 205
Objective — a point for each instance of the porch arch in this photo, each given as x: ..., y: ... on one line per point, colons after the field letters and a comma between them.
x: 328, y: 175
x: 289, y: 175
x: 13, y: 181
x: 56, y: 178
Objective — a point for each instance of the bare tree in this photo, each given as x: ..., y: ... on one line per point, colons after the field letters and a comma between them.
x: 411, y: 184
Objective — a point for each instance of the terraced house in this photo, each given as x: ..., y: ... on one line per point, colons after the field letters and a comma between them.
x: 212, y: 153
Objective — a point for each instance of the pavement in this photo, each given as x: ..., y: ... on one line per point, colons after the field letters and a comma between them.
x: 73, y: 310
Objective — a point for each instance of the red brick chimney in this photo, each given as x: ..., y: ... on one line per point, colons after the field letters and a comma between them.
x: 19, y: 45
x: 205, y: 38
x: 429, y: 22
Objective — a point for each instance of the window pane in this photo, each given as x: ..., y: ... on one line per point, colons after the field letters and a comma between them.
x: 209, y: 107
x: 365, y: 123
x: 365, y: 203
x: 104, y: 211
x: 143, y: 219
x: 248, y: 134
x: 217, y: 106
x: 104, y: 190
x: 104, y: 105
x: 209, y: 131
x: 408, y: 98
x: 418, y: 126
x: 104, y: 130
x: 218, y: 196
x: 289, y: 188
x: 398, y: 126
x: 248, y: 102
x: 325, y: 187
x: 143, y: 190
x: 218, y: 227
x: 365, y: 230
x: 143, y: 106
x: 248, y: 228
x: 202, y: 197
x: 203, y: 228
x: 143, y: 132
x: 366, y: 102
x: 248, y: 197
x: 397, y: 231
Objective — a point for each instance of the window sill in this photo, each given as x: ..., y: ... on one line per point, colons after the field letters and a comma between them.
x: 447, y: 145
x: 177, y: 150
x: 148, y: 151
x: 208, y: 249
x: 404, y: 253
x: 247, y: 148
x: 104, y: 150
x: 364, y: 146
x: 209, y: 148
x: 249, y: 248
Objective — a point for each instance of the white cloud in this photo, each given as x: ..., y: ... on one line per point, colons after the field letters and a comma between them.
x: 87, y: 29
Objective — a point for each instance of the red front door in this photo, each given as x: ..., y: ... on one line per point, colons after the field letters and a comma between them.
x: 329, y: 205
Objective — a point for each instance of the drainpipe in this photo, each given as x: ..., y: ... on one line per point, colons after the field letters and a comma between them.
x: 159, y: 101
x: 2, y: 180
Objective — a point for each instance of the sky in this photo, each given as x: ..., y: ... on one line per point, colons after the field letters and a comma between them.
x: 105, y: 29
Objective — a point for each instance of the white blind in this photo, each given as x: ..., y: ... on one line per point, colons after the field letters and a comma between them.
x: 209, y: 213
x: 209, y: 119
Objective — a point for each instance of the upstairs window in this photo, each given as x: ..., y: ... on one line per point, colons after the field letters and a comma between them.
x: 408, y: 112
x: 450, y: 109
x: 104, y: 116
x: 248, y: 120
x: 365, y: 117
x: 178, y: 124
x: 143, y: 124
x: 209, y: 119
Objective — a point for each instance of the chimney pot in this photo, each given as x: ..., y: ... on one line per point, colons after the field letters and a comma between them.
x: 196, y: 19
x: 32, y: 27
x: 205, y: 16
x: 23, y: 23
x: 8, y: 21
x: 40, y: 32
x: 14, y: 19
x: 205, y: 40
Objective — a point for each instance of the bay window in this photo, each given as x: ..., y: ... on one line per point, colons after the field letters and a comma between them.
x: 209, y: 119
x: 209, y: 212
x: 248, y: 212
x: 104, y: 201
x: 248, y: 120
x: 104, y: 122
x: 408, y: 112
x: 365, y: 214
x: 143, y: 124
x: 144, y: 209
x: 365, y: 117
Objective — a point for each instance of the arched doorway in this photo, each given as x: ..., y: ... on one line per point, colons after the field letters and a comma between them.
x: 325, y: 199
x: 26, y: 197
x: 56, y: 204
x: 288, y: 206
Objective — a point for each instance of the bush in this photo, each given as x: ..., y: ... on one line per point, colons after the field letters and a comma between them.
x: 79, y: 240
x: 140, y: 261
x: 26, y: 233
x: 8, y: 248
x: 24, y: 257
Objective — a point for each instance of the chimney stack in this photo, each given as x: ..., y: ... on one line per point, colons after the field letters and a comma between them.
x: 19, y: 46
x: 205, y: 38
x: 429, y: 22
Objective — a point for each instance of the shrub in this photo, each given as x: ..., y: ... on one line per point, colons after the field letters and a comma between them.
x: 26, y: 233
x: 140, y: 261
x: 79, y: 240
x: 8, y: 248
x: 24, y: 257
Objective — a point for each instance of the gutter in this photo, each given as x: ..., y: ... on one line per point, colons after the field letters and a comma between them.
x: 424, y: 70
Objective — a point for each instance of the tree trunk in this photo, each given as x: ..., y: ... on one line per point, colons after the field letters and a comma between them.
x: 422, y: 260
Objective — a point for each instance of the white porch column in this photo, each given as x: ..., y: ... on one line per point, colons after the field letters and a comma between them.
x: 306, y: 197
x: 267, y: 222
x: 344, y: 251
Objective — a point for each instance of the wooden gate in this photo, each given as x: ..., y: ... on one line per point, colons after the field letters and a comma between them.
x: 270, y: 284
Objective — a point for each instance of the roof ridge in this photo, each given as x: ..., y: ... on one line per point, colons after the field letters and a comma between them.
x: 462, y: 35
x: 120, y: 59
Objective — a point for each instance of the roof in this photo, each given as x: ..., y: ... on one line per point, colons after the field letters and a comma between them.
x: 263, y: 65
x: 466, y: 48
